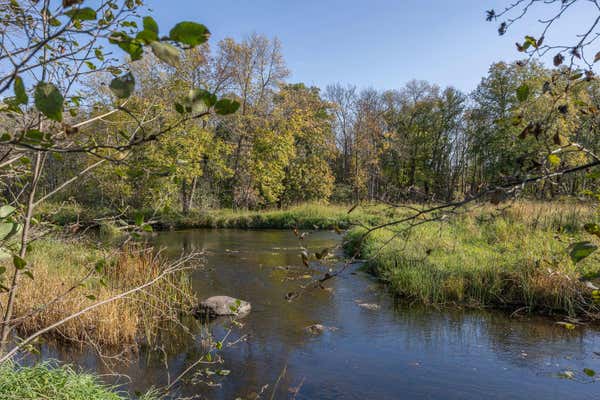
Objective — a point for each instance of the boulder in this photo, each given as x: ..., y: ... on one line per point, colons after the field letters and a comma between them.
x: 217, y: 306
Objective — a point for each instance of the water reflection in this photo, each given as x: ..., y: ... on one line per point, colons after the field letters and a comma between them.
x: 398, y: 351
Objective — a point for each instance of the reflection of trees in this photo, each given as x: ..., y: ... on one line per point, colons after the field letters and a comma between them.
x: 495, y: 331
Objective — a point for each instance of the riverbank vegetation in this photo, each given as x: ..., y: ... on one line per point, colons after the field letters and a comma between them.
x: 514, y: 257
x: 71, y: 275
x: 57, y: 382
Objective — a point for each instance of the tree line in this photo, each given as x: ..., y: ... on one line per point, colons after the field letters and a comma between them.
x: 290, y: 143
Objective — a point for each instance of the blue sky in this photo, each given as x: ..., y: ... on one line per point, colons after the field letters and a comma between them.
x: 369, y: 43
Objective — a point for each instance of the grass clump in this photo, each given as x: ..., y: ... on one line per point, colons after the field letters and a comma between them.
x: 51, y: 381
x: 515, y: 258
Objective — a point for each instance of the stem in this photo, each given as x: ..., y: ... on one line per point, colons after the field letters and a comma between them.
x: 5, y: 327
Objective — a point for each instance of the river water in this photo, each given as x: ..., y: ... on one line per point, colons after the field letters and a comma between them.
x: 392, y: 351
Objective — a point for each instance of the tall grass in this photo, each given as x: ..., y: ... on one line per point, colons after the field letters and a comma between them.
x: 57, y: 382
x: 513, y: 258
x: 66, y: 279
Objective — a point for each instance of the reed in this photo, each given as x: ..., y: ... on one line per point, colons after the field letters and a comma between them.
x: 69, y: 276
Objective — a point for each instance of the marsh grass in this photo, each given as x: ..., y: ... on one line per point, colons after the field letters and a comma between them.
x: 72, y: 276
x: 516, y: 257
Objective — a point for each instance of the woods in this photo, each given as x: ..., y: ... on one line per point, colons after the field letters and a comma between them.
x: 290, y: 143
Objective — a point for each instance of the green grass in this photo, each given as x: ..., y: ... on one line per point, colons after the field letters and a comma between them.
x: 57, y: 382
x: 516, y: 259
x: 304, y: 216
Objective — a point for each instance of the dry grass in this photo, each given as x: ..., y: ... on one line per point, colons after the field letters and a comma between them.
x: 72, y: 276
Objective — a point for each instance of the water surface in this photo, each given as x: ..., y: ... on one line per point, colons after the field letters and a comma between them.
x: 394, y: 352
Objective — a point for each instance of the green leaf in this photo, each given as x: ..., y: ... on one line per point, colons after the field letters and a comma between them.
x: 6, y: 210
x: 139, y: 219
x: 199, y: 100
x: 20, y: 94
x: 147, y: 228
x: 100, y: 265
x: 49, y: 101
x: 166, y: 52
x: 69, y: 3
x: 54, y: 22
x: 19, y: 263
x: 554, y: 160
x: 131, y: 46
x: 99, y: 54
x: 530, y: 41
x: 123, y: 86
x: 91, y: 297
x: 2, y: 270
x: 34, y: 136
x: 226, y: 106
x: 28, y: 274
x: 589, y: 372
x: 190, y: 33
x: 593, y: 229
x: 150, y: 32
x: 581, y: 250
x: 8, y: 229
x: 82, y: 14
x: 523, y: 92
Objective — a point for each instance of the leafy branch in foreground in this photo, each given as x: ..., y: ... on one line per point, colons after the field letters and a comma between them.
x: 48, y: 51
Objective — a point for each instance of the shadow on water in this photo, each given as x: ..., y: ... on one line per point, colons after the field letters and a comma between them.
x: 396, y: 351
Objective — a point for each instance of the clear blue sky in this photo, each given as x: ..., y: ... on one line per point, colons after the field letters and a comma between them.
x: 369, y: 43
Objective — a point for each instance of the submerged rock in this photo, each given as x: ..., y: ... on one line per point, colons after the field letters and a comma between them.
x: 217, y: 306
x: 369, y: 306
x: 317, y: 329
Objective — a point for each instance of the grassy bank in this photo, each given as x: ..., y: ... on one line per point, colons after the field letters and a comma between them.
x: 68, y: 276
x: 305, y: 216
x: 515, y: 258
x: 51, y: 381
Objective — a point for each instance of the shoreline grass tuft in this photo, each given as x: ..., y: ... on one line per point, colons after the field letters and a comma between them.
x: 50, y: 380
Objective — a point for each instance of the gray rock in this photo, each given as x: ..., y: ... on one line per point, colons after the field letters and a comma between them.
x: 217, y: 306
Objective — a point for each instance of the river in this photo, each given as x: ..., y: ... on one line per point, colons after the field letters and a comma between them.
x: 397, y: 351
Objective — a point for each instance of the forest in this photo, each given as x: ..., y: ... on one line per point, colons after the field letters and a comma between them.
x: 290, y: 143
x: 181, y: 218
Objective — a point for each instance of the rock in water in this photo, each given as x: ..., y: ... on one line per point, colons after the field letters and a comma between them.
x: 217, y: 306
x: 317, y: 329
